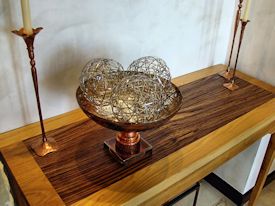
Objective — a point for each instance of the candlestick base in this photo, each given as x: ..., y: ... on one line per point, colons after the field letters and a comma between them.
x: 228, y: 74
x: 231, y: 86
x: 128, y: 155
x: 42, y: 148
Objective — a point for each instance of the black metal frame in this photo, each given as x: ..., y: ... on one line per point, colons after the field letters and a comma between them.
x: 196, y: 188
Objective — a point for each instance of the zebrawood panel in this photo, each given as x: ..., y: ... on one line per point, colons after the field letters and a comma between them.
x: 82, y: 167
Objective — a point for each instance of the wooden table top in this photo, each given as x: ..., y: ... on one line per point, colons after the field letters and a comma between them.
x: 213, y: 125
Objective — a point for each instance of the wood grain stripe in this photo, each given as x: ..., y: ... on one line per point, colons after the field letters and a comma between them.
x: 187, y: 165
x: 82, y: 167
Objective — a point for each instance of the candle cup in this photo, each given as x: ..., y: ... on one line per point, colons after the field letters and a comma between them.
x: 232, y: 85
x: 44, y: 145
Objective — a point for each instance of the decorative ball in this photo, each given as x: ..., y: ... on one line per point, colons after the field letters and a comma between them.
x: 137, y: 99
x: 141, y: 94
x: 98, y: 78
x: 153, y: 66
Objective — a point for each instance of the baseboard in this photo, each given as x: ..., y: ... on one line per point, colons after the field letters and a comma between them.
x: 230, y: 192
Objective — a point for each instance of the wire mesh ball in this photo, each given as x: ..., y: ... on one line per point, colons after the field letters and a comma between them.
x: 137, y: 99
x: 153, y: 66
x: 168, y: 96
x: 98, y: 78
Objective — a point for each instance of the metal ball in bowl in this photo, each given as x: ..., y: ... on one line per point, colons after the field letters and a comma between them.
x: 137, y: 99
x: 97, y: 80
x: 153, y: 66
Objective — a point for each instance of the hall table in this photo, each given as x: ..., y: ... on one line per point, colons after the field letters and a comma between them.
x: 213, y: 125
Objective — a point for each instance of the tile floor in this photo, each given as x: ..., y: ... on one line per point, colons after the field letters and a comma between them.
x: 267, y: 197
x: 208, y: 196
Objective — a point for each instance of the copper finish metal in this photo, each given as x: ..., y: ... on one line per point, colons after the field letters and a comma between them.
x: 128, y: 154
x: 228, y: 74
x: 232, y: 86
x: 128, y: 138
x: 244, y: 23
x: 43, y: 146
x: 128, y: 146
x: 128, y: 142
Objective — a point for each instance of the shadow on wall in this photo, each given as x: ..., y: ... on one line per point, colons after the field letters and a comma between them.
x: 210, y: 23
x: 258, y: 40
x: 16, y: 66
x: 64, y: 69
x: 266, y: 37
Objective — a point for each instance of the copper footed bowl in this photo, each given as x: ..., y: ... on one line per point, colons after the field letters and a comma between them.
x: 91, y: 111
x: 128, y: 146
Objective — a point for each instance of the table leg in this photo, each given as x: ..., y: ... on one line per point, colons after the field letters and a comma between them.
x: 268, y: 159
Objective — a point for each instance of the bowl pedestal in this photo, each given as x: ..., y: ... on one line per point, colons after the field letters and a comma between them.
x: 128, y: 147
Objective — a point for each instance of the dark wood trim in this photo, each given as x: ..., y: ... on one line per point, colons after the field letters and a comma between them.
x: 16, y: 192
x: 230, y: 192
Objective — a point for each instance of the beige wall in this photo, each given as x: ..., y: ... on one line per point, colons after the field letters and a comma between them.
x: 257, y: 56
x: 187, y: 34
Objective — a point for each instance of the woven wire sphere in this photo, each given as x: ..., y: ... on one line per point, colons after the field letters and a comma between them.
x: 98, y: 78
x: 137, y: 99
x: 153, y: 66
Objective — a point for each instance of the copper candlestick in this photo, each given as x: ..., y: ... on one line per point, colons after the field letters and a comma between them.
x: 44, y: 145
x: 228, y: 74
x: 232, y: 85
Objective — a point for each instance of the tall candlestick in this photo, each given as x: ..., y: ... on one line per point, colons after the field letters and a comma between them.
x: 26, y: 15
x: 228, y: 73
x: 247, y: 10
x: 44, y: 145
x: 232, y: 85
